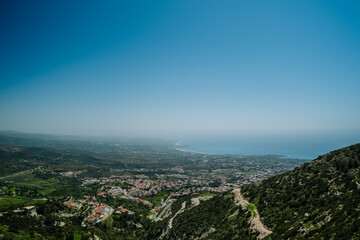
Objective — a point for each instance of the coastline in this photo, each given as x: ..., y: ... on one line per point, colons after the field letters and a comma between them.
x: 187, y: 148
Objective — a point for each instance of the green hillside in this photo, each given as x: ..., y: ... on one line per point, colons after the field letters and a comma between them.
x: 214, y: 218
x: 318, y: 200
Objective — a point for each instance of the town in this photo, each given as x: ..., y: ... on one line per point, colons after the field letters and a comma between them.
x: 126, y: 190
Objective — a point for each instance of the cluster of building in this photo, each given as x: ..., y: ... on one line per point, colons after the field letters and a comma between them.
x: 99, y: 213
x: 114, y: 191
x: 73, y: 205
x: 141, y: 185
x: 178, y: 182
x: 196, y: 190
x: 121, y: 210
x: 221, y: 174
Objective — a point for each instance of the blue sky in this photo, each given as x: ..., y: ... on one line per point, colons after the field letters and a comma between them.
x: 174, y: 67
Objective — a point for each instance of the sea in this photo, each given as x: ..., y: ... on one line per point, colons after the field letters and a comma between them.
x: 288, y: 146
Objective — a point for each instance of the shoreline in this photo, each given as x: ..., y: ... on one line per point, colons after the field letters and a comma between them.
x: 185, y: 148
x: 189, y: 151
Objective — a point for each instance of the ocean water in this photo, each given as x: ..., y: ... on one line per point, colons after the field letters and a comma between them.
x: 291, y: 146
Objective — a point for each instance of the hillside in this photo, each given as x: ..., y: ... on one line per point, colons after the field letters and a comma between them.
x: 318, y: 200
x: 209, y: 217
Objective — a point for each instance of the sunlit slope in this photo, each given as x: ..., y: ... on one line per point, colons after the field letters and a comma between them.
x: 318, y: 200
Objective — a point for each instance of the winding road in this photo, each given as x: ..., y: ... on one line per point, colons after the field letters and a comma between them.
x: 256, y: 223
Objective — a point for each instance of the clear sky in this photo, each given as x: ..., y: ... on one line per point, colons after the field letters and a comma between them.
x: 160, y: 67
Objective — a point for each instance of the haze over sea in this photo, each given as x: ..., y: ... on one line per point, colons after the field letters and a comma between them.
x: 245, y: 77
x: 307, y: 146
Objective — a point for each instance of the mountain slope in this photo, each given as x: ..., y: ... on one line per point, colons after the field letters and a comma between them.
x: 318, y: 200
x: 218, y: 217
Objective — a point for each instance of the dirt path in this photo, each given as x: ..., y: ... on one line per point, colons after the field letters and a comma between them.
x: 196, y: 201
x: 256, y: 223
x: 182, y: 209
x: 205, y: 234
x: 163, y: 214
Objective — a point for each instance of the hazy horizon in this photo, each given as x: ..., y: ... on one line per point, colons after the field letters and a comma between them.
x: 298, y: 146
x: 176, y: 69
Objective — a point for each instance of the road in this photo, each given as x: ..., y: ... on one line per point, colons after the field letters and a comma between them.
x: 256, y: 223
x: 182, y: 209
x: 165, y: 208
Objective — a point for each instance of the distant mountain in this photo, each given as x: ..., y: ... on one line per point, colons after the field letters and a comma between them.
x: 116, y: 151
x: 86, y: 143
x: 318, y: 200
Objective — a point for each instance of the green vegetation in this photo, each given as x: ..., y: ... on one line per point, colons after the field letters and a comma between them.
x: 252, y: 209
x: 217, y: 218
x: 319, y: 200
x: 17, y: 202
x: 156, y: 199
